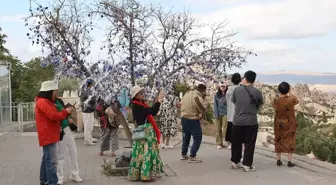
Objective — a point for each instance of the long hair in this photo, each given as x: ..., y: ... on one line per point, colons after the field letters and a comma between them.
x: 220, y: 93
x: 46, y: 95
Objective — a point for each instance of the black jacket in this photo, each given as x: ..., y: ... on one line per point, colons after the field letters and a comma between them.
x: 90, y: 107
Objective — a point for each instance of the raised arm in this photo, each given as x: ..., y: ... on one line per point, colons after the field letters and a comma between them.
x: 201, y: 104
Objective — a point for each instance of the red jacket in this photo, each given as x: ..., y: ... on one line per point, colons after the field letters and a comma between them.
x: 48, y: 121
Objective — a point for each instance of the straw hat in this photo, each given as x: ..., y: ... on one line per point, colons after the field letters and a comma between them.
x: 135, y: 90
x: 48, y: 86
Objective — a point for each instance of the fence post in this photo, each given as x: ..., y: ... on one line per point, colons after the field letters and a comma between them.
x: 20, y: 117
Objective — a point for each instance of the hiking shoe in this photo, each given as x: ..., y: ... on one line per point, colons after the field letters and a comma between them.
x: 236, y: 166
x: 249, y: 168
x: 194, y: 160
x: 184, y: 157
x: 279, y: 163
x: 290, y: 164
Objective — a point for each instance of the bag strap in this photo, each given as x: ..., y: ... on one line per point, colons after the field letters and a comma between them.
x: 252, y: 98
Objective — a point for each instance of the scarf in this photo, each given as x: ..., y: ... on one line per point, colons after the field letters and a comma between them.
x: 151, y: 120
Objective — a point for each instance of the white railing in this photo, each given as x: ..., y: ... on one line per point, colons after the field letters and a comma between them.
x: 17, y: 115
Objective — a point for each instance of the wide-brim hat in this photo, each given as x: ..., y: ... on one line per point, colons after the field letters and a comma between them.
x: 48, y: 86
x: 135, y: 90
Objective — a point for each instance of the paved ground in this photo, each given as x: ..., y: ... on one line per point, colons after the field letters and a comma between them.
x: 20, y: 157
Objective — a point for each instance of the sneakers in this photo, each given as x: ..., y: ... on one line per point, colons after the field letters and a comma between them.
x: 229, y: 147
x: 184, y: 157
x: 219, y: 146
x: 249, y: 168
x: 94, y: 140
x: 60, y: 182
x: 88, y: 143
x: 194, y: 160
x: 163, y: 146
x: 170, y: 146
x: 75, y: 178
x: 236, y: 166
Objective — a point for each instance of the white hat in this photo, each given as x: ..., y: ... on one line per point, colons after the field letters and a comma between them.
x: 135, y: 90
x: 48, y: 86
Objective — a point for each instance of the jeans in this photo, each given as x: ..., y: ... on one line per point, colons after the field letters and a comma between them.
x: 191, y: 128
x: 48, y: 171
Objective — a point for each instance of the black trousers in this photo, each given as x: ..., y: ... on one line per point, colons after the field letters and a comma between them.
x: 228, y: 135
x: 248, y: 136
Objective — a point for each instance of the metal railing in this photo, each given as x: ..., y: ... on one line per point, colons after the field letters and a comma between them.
x: 20, y: 115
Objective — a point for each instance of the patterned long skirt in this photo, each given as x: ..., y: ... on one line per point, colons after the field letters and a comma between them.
x: 146, y: 162
x: 109, y: 140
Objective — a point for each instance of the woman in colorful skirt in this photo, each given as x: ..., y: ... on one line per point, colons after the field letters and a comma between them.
x: 146, y: 164
x: 109, y: 130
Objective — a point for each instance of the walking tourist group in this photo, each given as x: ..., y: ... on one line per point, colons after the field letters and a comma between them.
x: 235, y: 104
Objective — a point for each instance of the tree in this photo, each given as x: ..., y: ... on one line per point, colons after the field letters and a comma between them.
x: 63, y: 32
x: 128, y: 31
x: 34, y: 75
x: 164, y: 47
x: 3, y: 37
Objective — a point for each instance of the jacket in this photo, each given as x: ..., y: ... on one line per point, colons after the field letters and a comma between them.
x: 60, y: 107
x: 48, y: 121
x: 87, y: 107
x: 194, y: 106
x: 230, y: 105
x: 123, y: 98
x: 220, y: 106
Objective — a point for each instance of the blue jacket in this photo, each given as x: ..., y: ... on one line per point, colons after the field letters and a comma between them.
x: 220, y: 106
x: 123, y: 98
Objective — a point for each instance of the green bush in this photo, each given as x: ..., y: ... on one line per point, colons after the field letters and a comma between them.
x: 209, y: 116
x: 309, y: 139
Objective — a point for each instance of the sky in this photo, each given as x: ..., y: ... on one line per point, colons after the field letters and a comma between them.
x: 292, y: 35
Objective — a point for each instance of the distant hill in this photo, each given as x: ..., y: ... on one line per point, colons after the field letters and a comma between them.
x: 297, y: 77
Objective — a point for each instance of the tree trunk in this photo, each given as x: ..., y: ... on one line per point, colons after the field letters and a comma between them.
x: 121, y: 119
x: 130, y: 47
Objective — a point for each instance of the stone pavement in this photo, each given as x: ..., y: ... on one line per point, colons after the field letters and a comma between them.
x: 20, y: 158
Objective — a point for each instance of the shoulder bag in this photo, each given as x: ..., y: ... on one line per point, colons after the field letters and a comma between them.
x: 253, y: 101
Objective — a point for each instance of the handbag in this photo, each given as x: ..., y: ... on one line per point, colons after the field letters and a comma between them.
x: 62, y: 134
x: 139, y: 133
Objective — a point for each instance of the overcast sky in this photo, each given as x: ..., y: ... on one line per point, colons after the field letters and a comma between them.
x: 286, y: 34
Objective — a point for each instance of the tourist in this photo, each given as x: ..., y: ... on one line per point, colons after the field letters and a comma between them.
x: 146, y: 164
x: 109, y: 129
x: 88, y: 108
x: 220, y: 113
x: 168, y: 117
x: 193, y: 108
x: 247, y: 100
x: 67, y: 144
x: 235, y: 79
x: 48, y: 127
x: 285, y: 124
